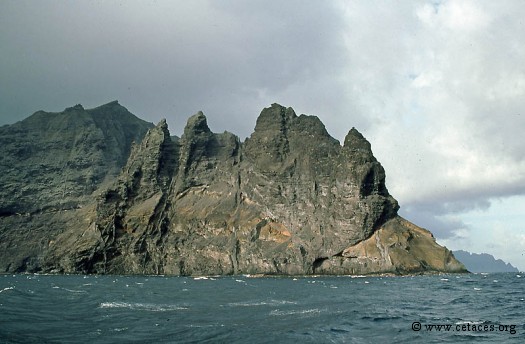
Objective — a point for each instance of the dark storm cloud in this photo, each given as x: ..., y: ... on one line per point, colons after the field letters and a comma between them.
x: 168, y: 58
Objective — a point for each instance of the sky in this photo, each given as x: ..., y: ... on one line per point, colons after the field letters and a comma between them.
x: 437, y: 87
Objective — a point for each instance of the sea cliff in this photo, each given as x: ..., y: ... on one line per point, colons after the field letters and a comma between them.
x: 101, y: 191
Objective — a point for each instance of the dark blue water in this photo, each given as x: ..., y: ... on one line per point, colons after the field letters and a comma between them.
x: 239, y: 309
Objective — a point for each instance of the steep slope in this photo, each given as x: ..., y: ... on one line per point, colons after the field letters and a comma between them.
x: 50, y: 165
x: 289, y: 200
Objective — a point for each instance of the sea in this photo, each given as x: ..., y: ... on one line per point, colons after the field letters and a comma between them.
x: 447, y: 308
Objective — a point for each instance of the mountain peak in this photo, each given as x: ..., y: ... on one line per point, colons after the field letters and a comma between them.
x: 111, y: 104
x: 77, y: 107
x: 196, y: 124
x: 354, y: 140
x: 276, y: 117
x: 163, y: 124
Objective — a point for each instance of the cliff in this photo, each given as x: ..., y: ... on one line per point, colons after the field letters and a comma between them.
x: 50, y: 166
x: 289, y: 200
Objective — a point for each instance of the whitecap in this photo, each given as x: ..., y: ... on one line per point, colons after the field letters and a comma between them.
x: 477, y: 288
x: 200, y: 278
x: 203, y: 326
x: 75, y: 291
x: 445, y: 279
x: 262, y: 303
x: 151, y: 307
x: 277, y: 312
x: 120, y: 329
x: 6, y: 289
x: 469, y: 322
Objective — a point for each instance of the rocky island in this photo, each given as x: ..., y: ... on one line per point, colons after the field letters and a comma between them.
x: 102, y: 191
x: 483, y: 262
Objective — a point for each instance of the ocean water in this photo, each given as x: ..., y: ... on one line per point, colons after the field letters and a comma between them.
x: 487, y: 308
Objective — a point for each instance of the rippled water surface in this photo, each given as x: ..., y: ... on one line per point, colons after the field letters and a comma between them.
x: 239, y: 309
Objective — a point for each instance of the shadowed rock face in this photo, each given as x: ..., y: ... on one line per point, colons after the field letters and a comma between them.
x: 288, y: 200
x: 50, y: 165
x: 53, y: 160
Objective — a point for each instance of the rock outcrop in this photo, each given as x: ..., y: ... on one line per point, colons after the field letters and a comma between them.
x: 288, y: 200
x: 50, y: 166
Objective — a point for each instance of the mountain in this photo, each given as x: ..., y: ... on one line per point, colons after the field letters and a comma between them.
x: 290, y: 200
x: 50, y: 165
x: 483, y: 262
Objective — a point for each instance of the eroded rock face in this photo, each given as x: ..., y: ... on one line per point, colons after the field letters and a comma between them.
x: 50, y: 166
x: 288, y: 200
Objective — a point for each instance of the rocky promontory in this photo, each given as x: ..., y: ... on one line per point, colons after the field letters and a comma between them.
x: 288, y: 200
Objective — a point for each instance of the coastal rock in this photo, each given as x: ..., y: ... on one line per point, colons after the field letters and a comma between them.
x: 398, y: 247
x: 289, y: 200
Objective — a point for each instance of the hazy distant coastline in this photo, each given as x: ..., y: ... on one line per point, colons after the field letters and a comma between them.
x: 483, y: 262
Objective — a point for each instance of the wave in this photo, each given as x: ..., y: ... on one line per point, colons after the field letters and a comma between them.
x: 312, y: 311
x: 150, y: 307
x: 198, y: 278
x: 262, y: 303
x: 380, y: 318
x: 469, y: 322
x: 70, y: 290
x: 6, y: 289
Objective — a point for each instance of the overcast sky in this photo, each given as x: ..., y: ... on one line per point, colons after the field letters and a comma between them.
x: 437, y: 87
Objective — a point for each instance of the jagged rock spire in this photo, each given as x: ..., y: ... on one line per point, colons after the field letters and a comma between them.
x: 354, y: 140
x: 197, y: 124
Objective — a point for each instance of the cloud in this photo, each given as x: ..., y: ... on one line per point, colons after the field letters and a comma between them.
x: 442, y: 85
x: 456, y: 16
x: 173, y: 58
x: 498, y: 231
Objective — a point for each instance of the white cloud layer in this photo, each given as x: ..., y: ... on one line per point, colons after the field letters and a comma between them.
x: 438, y: 87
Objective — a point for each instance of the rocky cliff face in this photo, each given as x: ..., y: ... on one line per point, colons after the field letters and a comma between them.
x: 50, y: 165
x: 288, y: 200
